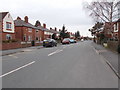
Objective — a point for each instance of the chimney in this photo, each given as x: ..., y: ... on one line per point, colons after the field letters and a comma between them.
x: 50, y: 28
x: 26, y: 19
x: 59, y: 30
x: 44, y: 25
x: 55, y: 29
x: 18, y: 18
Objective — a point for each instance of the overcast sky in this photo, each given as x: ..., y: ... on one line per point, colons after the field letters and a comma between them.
x: 54, y: 13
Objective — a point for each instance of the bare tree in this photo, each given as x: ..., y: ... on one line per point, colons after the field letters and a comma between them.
x: 104, y: 11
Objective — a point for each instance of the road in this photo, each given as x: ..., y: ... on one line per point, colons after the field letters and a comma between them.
x: 66, y: 66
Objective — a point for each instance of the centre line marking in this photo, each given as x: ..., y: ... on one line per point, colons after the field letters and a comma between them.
x: 17, y: 69
x: 57, y: 51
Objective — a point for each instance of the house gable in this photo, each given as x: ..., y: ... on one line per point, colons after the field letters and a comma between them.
x: 8, y: 24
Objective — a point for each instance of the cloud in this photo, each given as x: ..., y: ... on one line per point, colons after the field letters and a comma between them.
x: 52, y: 12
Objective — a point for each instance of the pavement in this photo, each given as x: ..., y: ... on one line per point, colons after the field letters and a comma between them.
x: 12, y: 51
x: 66, y: 66
x: 110, y: 56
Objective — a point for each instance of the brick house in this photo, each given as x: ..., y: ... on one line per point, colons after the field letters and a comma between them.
x: 107, y: 32
x: 49, y: 32
x: 24, y: 31
x: 39, y: 34
x: 116, y: 29
x: 119, y: 30
x: 7, y: 29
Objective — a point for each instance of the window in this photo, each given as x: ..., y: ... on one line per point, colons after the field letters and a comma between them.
x: 29, y: 38
x: 29, y: 29
x: 8, y: 37
x: 36, y: 31
x: 37, y: 38
x: 8, y: 25
x: 24, y: 38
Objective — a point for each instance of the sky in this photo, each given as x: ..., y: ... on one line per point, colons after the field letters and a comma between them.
x: 54, y: 13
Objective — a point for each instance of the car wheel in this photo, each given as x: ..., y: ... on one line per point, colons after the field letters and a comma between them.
x: 55, y: 45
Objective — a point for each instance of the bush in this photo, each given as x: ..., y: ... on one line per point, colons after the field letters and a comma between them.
x: 10, y: 41
x: 118, y: 49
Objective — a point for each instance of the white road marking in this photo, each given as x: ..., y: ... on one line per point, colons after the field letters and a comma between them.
x: 17, y: 69
x: 95, y: 50
x: 57, y: 51
x: 13, y: 56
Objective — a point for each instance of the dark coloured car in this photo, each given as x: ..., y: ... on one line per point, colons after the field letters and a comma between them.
x: 49, y: 43
x: 66, y: 41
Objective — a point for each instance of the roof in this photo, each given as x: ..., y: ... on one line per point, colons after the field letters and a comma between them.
x: 119, y: 20
x: 41, y: 28
x: 47, y: 30
x: 53, y: 31
x: 3, y: 14
x: 20, y: 22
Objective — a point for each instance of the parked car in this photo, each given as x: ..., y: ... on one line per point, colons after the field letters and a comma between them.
x: 49, y: 43
x: 82, y: 40
x: 66, y: 41
x: 72, y: 41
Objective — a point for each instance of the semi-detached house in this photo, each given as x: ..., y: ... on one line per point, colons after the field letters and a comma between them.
x: 24, y: 31
x: 27, y: 33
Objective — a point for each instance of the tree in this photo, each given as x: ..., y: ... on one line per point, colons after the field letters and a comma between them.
x: 54, y: 36
x: 64, y: 33
x: 104, y: 11
x: 37, y: 23
x: 77, y: 34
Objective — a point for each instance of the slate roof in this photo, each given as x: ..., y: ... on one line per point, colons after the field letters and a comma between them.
x: 119, y: 20
x: 2, y: 15
x: 53, y: 31
x: 20, y: 22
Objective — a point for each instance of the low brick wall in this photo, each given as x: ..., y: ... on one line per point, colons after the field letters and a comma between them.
x: 38, y: 44
x: 7, y: 46
x: 15, y: 45
x: 113, y: 45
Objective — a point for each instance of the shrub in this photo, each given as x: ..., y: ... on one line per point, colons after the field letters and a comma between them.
x: 118, y: 49
x: 10, y: 41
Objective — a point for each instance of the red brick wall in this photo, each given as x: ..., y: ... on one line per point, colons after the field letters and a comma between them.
x: 18, y: 33
x: 0, y: 31
x: 4, y: 35
x: 6, y: 46
x: 21, y: 31
x: 119, y: 32
x: 42, y: 34
x: 46, y: 36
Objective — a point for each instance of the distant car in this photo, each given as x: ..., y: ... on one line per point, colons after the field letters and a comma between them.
x: 72, y: 41
x: 66, y: 41
x: 49, y: 43
x: 82, y: 40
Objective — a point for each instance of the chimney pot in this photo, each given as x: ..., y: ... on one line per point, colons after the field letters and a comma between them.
x: 44, y: 25
x: 26, y: 19
x: 50, y: 28
x: 18, y: 18
x: 55, y: 29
